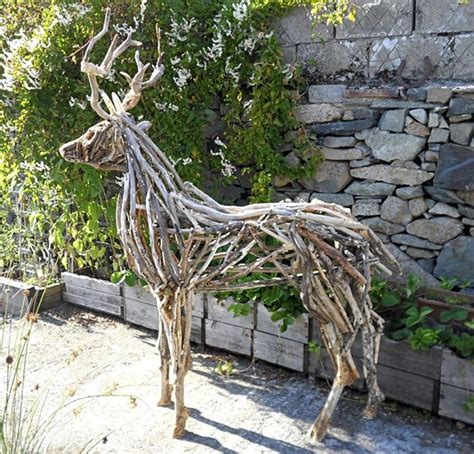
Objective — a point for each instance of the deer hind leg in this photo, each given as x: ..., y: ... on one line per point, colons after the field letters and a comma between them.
x: 177, y: 315
x: 166, y: 388
x: 371, y: 335
x: 346, y: 374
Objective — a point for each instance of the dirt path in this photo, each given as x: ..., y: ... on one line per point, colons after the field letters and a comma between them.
x: 262, y: 409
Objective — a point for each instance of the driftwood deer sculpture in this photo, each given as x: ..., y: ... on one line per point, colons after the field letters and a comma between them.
x: 181, y: 241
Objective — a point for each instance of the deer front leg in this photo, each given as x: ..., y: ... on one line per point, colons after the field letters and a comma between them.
x: 166, y: 388
x: 177, y: 316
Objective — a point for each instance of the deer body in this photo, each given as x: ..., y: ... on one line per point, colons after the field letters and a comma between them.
x: 181, y: 241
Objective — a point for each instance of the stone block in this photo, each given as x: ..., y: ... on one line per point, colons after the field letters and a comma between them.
x: 417, y: 129
x: 455, y: 168
x: 343, y: 154
x: 393, y: 120
x: 462, y: 133
x: 443, y: 209
x: 330, y: 176
x: 456, y: 259
x: 326, y: 93
x: 343, y: 60
x: 414, y: 241
x: 443, y: 16
x: 345, y: 200
x: 443, y: 195
x: 396, y: 210
x: 342, y: 127
x: 394, y: 175
x: 417, y: 207
x: 339, y: 142
x: 439, y: 135
x: 460, y: 106
x: 420, y: 115
x: 439, y: 95
x: 318, y: 113
x: 419, y: 253
x: 369, y: 188
x: 366, y: 208
x: 297, y: 27
x: 438, y: 230
x: 387, y: 54
x: 380, y: 18
x: 407, y: 193
x: 379, y: 225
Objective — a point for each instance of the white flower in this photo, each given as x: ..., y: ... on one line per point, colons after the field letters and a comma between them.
x: 227, y: 169
x: 181, y: 78
x: 240, y: 10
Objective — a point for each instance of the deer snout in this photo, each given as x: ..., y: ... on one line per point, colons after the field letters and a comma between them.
x: 70, y: 151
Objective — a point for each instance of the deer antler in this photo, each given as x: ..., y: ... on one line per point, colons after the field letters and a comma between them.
x: 136, y: 84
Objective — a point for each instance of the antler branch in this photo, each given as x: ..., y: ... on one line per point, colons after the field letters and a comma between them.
x: 93, y: 70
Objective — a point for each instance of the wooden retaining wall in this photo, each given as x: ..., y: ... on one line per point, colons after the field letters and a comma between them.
x: 434, y: 380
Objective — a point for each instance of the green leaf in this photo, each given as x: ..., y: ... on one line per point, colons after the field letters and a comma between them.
x: 117, y: 277
x: 390, y: 300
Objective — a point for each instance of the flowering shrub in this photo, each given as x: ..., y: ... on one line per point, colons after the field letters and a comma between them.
x: 221, y: 59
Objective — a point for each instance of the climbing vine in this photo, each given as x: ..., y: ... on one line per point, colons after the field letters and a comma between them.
x: 222, y: 112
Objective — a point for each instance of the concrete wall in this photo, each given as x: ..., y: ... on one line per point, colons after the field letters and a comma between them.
x: 385, y: 33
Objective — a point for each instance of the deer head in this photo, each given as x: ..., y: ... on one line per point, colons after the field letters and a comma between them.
x: 104, y: 145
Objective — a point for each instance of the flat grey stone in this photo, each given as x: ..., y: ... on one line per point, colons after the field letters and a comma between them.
x: 466, y: 196
x: 393, y: 120
x: 345, y: 200
x: 409, y: 192
x: 369, y: 188
x: 417, y: 129
x: 410, y: 266
x: 428, y: 166
x: 414, y: 241
x: 433, y: 120
x: 339, y: 142
x: 417, y: 206
x: 467, y: 221
x: 443, y: 209
x: 439, y: 135
x: 419, y: 115
x: 359, y: 114
x: 331, y: 176
x: 455, y: 168
x: 457, y: 259
x: 400, y: 104
x: 318, y: 113
x: 342, y: 127
x: 343, y: 154
x: 363, y: 162
x: 419, y: 253
x: 466, y: 211
x: 438, y: 230
x: 427, y: 264
x: 326, y: 93
x: 462, y: 133
x: 460, y: 106
x: 379, y: 225
x: 417, y: 94
x: 460, y: 118
x: 395, y: 210
x: 431, y: 156
x: 395, y: 175
x: 439, y: 95
x: 366, y: 208
x: 442, y: 195
x: 388, y: 147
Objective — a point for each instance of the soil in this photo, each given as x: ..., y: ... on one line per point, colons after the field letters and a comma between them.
x: 99, y: 377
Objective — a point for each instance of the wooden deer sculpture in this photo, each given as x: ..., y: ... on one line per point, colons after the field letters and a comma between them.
x: 181, y: 241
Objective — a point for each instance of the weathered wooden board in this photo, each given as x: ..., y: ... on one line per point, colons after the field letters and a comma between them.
x: 50, y: 296
x: 196, y: 330
x: 99, y: 306
x: 139, y: 293
x: 198, y: 304
x: 219, y: 310
x: 452, y: 403
x: 297, y: 332
x: 280, y: 351
x: 456, y: 371
x: 316, y: 337
x: 408, y: 388
x: 400, y: 355
x: 15, y: 297
x: 141, y: 313
x: 321, y: 366
x: 91, y: 283
x: 95, y: 295
x: 228, y: 337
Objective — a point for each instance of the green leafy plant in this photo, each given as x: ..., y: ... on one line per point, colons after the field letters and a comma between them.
x: 225, y: 368
x: 424, y: 338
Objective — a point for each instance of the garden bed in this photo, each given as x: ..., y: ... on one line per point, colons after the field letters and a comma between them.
x: 435, y: 379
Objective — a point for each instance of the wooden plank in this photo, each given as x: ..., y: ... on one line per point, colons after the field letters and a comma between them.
x: 400, y: 355
x: 408, y: 388
x: 219, y: 310
x: 452, y: 403
x: 198, y: 304
x: 228, y: 337
x: 356, y: 346
x: 92, y: 304
x: 321, y: 366
x: 196, y: 330
x: 141, y: 313
x: 139, y: 293
x: 280, y: 351
x: 15, y: 297
x: 94, y: 295
x: 297, y: 332
x: 91, y: 283
x: 457, y: 371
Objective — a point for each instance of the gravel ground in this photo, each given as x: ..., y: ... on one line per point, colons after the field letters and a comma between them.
x: 100, y: 378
